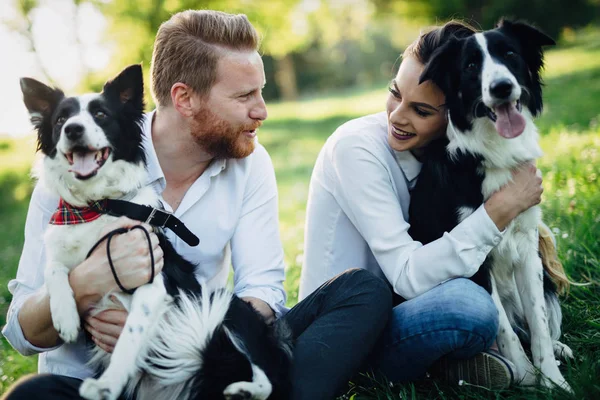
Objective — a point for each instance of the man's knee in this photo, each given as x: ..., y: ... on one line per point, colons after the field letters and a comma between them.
x: 375, y: 290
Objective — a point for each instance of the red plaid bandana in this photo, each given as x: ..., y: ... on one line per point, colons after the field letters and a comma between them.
x: 67, y: 214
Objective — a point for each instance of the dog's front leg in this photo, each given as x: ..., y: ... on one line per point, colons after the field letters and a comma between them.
x: 65, y: 316
x: 147, y: 306
x: 509, y: 344
x: 530, y: 284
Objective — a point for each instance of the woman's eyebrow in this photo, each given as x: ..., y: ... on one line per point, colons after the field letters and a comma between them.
x: 416, y: 103
x: 425, y: 105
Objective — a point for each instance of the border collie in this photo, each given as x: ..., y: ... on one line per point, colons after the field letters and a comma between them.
x: 180, y: 341
x: 493, y: 91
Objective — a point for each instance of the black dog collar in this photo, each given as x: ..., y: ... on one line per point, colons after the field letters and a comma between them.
x: 152, y: 216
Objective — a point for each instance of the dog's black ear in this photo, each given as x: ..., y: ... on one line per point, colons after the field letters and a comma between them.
x: 40, y: 100
x: 128, y: 86
x: 532, y: 41
x: 526, y: 33
x: 440, y: 65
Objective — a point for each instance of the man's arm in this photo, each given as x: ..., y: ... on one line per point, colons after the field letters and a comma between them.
x: 29, y: 295
x: 29, y: 326
x: 256, y: 249
x: 34, y: 316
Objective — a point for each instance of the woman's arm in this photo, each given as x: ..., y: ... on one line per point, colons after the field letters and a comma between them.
x: 523, y: 192
x: 367, y: 197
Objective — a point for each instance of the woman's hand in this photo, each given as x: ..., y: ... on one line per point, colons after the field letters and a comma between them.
x: 523, y: 192
x: 106, y: 327
x: 130, y: 254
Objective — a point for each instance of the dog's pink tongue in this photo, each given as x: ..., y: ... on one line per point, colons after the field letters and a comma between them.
x: 84, y: 163
x: 509, y: 122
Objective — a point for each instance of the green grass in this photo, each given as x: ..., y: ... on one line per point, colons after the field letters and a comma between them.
x: 294, y: 134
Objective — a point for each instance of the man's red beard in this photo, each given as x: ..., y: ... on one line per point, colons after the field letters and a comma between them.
x: 220, y: 138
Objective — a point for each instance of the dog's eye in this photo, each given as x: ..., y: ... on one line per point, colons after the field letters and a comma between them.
x: 509, y: 54
x: 471, y: 66
x: 99, y: 115
x: 60, y: 120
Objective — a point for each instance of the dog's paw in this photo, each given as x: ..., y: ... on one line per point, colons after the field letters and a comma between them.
x: 562, y: 351
x: 245, y: 391
x: 94, y: 389
x: 525, y: 372
x: 66, y: 322
x: 557, y: 381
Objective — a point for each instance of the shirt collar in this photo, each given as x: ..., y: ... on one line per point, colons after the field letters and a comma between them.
x: 155, y: 172
x: 409, y: 165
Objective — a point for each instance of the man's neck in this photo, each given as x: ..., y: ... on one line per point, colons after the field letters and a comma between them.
x: 181, y: 159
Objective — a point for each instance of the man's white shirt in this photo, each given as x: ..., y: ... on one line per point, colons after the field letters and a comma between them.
x: 232, y: 208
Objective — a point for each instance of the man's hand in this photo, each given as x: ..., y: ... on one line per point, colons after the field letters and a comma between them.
x: 106, y: 327
x: 131, y: 259
x: 263, y: 308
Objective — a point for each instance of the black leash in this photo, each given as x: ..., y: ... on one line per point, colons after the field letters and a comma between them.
x: 108, y: 238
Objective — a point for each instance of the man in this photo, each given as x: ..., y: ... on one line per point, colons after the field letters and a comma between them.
x: 204, y: 160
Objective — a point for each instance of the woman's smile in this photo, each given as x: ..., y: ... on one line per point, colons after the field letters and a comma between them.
x: 401, y: 134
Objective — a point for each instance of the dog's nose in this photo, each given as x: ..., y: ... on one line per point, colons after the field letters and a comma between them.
x: 74, y: 131
x: 501, y: 88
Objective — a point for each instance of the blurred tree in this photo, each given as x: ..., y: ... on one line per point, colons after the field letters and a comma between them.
x: 288, y: 28
x: 552, y: 16
x: 279, y: 22
x: 22, y: 24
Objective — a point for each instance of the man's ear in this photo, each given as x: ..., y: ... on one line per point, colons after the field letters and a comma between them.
x: 127, y: 87
x: 40, y: 100
x: 440, y: 67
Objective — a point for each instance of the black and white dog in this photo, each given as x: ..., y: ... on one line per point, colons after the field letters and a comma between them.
x: 493, y: 91
x: 180, y: 340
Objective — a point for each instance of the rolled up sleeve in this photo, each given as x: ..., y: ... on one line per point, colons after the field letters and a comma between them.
x: 256, y: 248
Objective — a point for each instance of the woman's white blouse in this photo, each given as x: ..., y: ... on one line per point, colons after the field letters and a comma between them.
x: 357, y: 217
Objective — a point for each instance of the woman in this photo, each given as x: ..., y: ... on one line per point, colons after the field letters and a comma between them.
x: 357, y: 218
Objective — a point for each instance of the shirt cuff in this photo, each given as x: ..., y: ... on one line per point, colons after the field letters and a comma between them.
x: 274, y: 298
x: 14, y: 335
x: 479, y: 232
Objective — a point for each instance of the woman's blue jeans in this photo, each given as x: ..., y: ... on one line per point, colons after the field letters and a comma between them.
x: 456, y: 319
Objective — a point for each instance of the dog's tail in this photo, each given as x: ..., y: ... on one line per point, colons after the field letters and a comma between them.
x: 550, y: 261
x: 552, y: 265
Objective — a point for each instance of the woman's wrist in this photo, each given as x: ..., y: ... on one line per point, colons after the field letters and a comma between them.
x: 500, y: 211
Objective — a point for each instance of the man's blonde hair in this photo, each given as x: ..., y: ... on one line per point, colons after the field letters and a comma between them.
x: 189, y: 45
